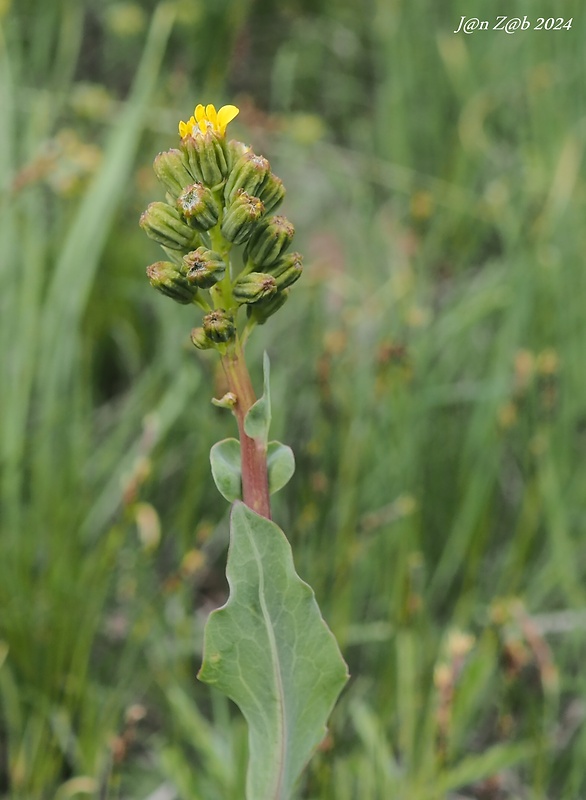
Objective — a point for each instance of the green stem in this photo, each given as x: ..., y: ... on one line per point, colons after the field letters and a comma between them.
x: 222, y: 292
x: 255, y: 482
x: 247, y: 330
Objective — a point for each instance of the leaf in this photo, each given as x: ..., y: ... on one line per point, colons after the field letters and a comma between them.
x: 280, y: 464
x: 258, y: 420
x: 68, y: 292
x: 226, y: 464
x: 483, y: 765
x: 271, y: 652
x: 226, y: 470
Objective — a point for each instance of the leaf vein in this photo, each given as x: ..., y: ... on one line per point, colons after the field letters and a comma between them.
x: 275, y: 657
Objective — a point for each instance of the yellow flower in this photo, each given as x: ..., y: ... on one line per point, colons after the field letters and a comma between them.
x: 205, y: 118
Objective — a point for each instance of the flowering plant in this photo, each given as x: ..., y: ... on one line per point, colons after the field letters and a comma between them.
x: 268, y: 648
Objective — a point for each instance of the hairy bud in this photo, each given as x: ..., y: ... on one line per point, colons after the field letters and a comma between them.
x: 200, y: 340
x: 235, y: 149
x: 199, y: 206
x: 287, y: 269
x: 203, y: 268
x: 271, y: 192
x: 219, y: 326
x: 248, y: 173
x: 171, y: 169
x: 241, y: 217
x: 206, y: 156
x: 164, y: 224
x: 264, y: 309
x: 254, y: 287
x: 166, y: 278
x: 269, y: 240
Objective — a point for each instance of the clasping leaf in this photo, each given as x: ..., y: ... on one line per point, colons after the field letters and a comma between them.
x: 258, y: 420
x: 271, y: 652
x: 227, y: 469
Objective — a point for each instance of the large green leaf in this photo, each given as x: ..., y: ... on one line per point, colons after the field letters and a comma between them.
x: 271, y: 652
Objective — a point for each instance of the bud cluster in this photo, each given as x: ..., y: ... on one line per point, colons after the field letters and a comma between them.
x: 220, y: 195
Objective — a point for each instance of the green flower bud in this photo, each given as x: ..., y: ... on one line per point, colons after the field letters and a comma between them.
x: 234, y: 150
x: 166, y: 278
x: 270, y: 239
x: 199, y: 206
x: 200, y: 340
x: 254, y: 287
x: 264, y: 309
x: 219, y: 326
x: 203, y: 268
x: 241, y: 217
x: 206, y: 156
x: 271, y: 192
x: 248, y: 173
x: 287, y: 270
x: 164, y: 224
x: 171, y: 169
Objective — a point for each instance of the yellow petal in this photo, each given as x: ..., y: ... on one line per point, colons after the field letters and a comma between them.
x: 225, y: 115
x: 211, y: 114
x: 203, y: 125
x: 199, y: 112
x: 183, y: 129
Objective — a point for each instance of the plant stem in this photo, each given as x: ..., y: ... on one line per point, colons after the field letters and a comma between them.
x: 255, y: 482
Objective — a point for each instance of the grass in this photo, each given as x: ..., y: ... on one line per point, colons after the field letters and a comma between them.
x: 428, y: 373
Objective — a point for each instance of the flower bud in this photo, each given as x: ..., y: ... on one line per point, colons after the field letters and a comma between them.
x: 219, y: 326
x: 206, y: 156
x: 171, y: 169
x: 287, y: 270
x: 248, y: 173
x: 254, y: 287
x: 269, y: 240
x: 264, y: 309
x: 200, y: 340
x: 271, y: 192
x: 166, y: 278
x: 199, y: 206
x: 235, y: 149
x: 241, y: 217
x: 164, y: 224
x: 203, y: 268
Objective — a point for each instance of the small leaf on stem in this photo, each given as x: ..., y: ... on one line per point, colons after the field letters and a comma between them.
x: 281, y: 465
x: 226, y: 470
x: 258, y: 419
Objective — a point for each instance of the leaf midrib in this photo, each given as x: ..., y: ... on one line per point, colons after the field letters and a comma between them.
x: 275, y: 660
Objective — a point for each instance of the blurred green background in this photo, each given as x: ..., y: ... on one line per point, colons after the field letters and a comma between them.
x: 429, y: 372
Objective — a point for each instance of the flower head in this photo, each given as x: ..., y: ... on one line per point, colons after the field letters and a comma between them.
x: 207, y: 118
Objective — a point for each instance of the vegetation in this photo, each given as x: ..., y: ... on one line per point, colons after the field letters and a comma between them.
x: 428, y: 375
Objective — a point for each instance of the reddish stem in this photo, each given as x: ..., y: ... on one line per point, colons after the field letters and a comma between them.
x: 255, y: 482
